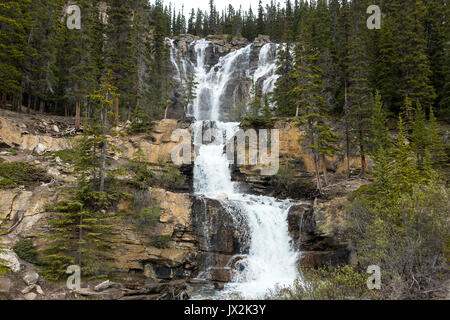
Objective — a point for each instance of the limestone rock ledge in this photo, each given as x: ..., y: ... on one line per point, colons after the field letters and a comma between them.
x: 318, y: 231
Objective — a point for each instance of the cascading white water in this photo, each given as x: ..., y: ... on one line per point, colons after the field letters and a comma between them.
x: 267, y: 67
x: 271, y: 260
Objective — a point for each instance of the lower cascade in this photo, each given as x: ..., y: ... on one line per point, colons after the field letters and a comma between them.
x: 270, y: 260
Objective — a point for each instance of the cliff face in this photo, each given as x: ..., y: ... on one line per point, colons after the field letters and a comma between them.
x: 296, y: 178
x: 201, y: 232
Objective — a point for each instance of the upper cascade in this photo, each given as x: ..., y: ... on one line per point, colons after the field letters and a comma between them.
x: 224, y: 72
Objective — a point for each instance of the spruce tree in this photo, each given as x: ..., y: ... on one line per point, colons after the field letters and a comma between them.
x: 14, y: 22
x: 359, y: 91
x: 310, y: 103
x: 120, y: 56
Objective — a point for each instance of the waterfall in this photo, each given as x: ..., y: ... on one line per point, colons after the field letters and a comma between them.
x: 270, y: 259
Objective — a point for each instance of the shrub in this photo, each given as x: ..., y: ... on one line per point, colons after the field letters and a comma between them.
x: 141, y: 122
x: 170, y: 178
x: 250, y: 122
x: 3, y: 268
x: 162, y: 242
x: 408, y: 237
x: 6, y: 183
x: 287, y: 184
x: 147, y: 218
x: 25, y: 251
x: 22, y: 173
x: 142, y: 176
x: 343, y: 283
x: 67, y: 155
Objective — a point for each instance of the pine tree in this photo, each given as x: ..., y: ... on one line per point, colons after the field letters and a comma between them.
x: 80, y: 227
x: 121, y: 58
x: 79, y: 236
x: 254, y: 106
x: 310, y: 102
x: 387, y: 68
x: 96, y: 137
x: 14, y: 21
x: 359, y: 91
x: 285, y: 104
x: 41, y: 52
x: 381, y: 144
x: 261, y: 26
x: 414, y: 63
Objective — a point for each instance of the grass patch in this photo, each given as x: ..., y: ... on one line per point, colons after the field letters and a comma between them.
x: 67, y: 155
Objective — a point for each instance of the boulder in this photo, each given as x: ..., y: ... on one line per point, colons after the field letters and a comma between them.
x: 12, y: 260
x: 219, y: 285
x: 103, y: 286
x: 30, y: 296
x: 220, y: 274
x: 301, y: 224
x: 39, y: 150
x: 4, y: 145
x: 28, y: 289
x: 31, y: 278
x: 39, y: 290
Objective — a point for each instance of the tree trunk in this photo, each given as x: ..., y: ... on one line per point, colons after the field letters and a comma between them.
x: 77, y: 113
x: 3, y: 100
x: 166, y: 111
x: 319, y: 183
x: 363, y: 161
x: 116, y: 109
x: 14, y: 103
x: 325, y: 172
x: 29, y: 103
x: 347, y: 133
x: 42, y: 106
x: 19, y: 101
x: 80, y: 239
x: 103, y: 154
x: 297, y: 112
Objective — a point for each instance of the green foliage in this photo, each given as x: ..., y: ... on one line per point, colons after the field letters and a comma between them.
x: 257, y: 123
x: 170, y: 177
x: 343, y: 283
x: 146, y: 218
x: 25, y: 250
x: 258, y: 116
x: 6, y: 183
x: 67, y: 155
x: 78, y: 235
x: 287, y: 183
x: 162, y: 242
x: 14, y: 174
x: 142, y: 176
x: 3, y: 268
x: 141, y: 122
x: 15, y: 19
x: 400, y: 222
